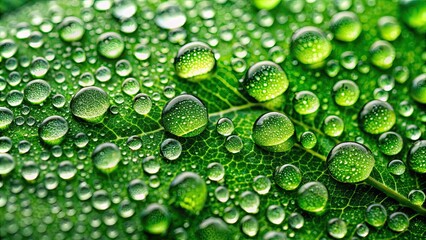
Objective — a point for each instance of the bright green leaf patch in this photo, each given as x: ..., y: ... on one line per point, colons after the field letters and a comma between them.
x: 212, y: 120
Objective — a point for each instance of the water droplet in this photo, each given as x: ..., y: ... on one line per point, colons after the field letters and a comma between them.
x: 310, y: 45
x: 137, y: 190
x: 6, y: 117
x: 171, y: 149
x: 267, y: 5
x: 390, y: 143
x: 418, y: 88
x: 288, y: 177
x: 305, y: 102
x: 169, y: 16
x: 195, y: 61
x: 100, y: 200
x: 53, y: 130
x: 398, y: 222
x: 333, y: 126
x: 382, y: 54
x: 151, y: 165
x: 345, y: 93
x: 234, y: 144
x: 261, y: 184
x: 66, y: 170
x: 216, y: 171
x: 265, y: 81
x: 345, y: 26
x: 401, y: 74
x: 349, y: 60
x: 417, y: 156
x: 71, y: 29
x: 412, y: 13
x: 396, y: 167
x: 37, y: 91
x: 185, y: 116
x: 312, y: 197
x: 222, y: 194
x: 124, y: 9
x: 275, y: 214
x: 5, y: 144
x: 8, y: 48
x: 90, y: 104
x: 225, y: 126
x: 362, y: 230
x: 376, y: 215
x: 274, y: 132
x: 389, y: 28
x: 249, y: 202
x: 110, y: 45
x: 249, y: 225
x: 30, y: 171
x: 39, y: 67
x: 142, y: 104
x: 106, y: 157
x: 377, y: 117
x: 213, y: 228
x: 337, y: 228
x: 189, y: 192
x: 134, y: 143
x: 350, y: 162
x: 7, y: 164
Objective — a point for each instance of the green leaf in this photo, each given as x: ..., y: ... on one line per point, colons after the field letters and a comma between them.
x: 96, y: 166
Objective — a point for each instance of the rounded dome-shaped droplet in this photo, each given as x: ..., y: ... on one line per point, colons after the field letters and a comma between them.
x: 53, y: 130
x: 100, y: 200
x: 222, y: 194
x: 37, y: 91
x: 389, y: 28
x: 185, y: 116
x: 310, y: 45
x: 398, y: 222
x: 345, y: 26
x: 350, y: 162
x: 274, y: 132
x: 296, y: 220
x: 110, y: 45
x: 169, y: 16
x: 382, y: 54
x: 376, y: 215
x: 345, y: 93
x: 249, y: 225
x: 333, y: 126
x: 308, y: 140
x: 189, y: 192
x: 249, y: 202
x: 362, y: 230
x: 305, y: 102
x: 390, y: 143
x: 71, y: 29
x: 267, y: 5
x: 224, y: 126
x: 142, y: 104
x: 215, y: 171
x: 8, y: 48
x: 234, y: 144
x: 417, y: 156
x: 39, y: 67
x: 137, y: 190
x: 261, y: 184
x: 66, y: 170
x: 151, y: 165
x: 265, y: 81
x: 312, y: 197
x: 6, y: 117
x: 418, y: 88
x: 417, y: 197
x: 5, y: 144
x: 288, y: 177
x: 171, y: 149
x: 90, y: 104
x: 213, y: 229
x: 130, y: 86
x: 396, y: 167
x: 275, y: 214
x: 106, y: 157
x: 134, y: 143
x: 155, y: 219
x: 7, y: 164
x: 30, y: 171
x: 377, y: 117
x: 337, y: 228
x: 413, y: 14
x: 195, y: 61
